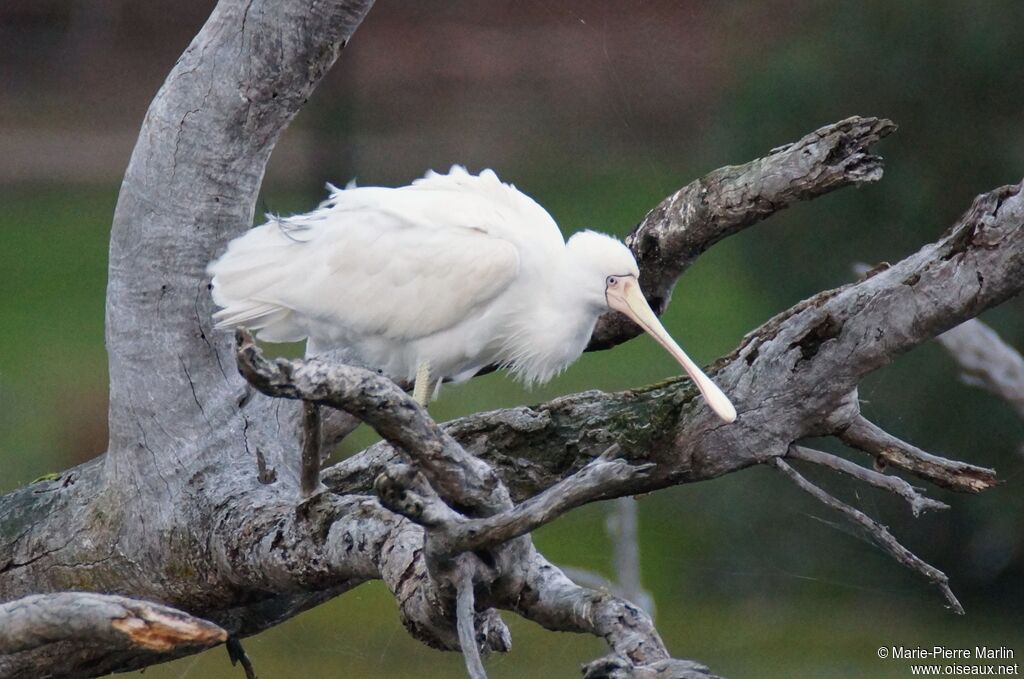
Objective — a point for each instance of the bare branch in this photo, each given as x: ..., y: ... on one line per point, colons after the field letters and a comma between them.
x: 460, y: 478
x: 602, y: 478
x: 688, y: 222
x: 987, y: 361
x: 402, y: 490
x: 878, y: 534
x: 551, y: 599
x: 889, y: 450
x: 465, y: 615
x: 86, y: 618
x: 622, y: 522
x: 309, y: 481
x: 894, y: 484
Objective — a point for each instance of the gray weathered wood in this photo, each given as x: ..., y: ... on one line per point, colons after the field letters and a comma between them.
x: 197, y: 502
x: 85, y: 617
x: 74, y: 622
x: 987, y: 361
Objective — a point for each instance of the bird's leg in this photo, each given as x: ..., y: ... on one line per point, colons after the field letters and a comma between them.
x: 310, y: 473
x: 421, y: 389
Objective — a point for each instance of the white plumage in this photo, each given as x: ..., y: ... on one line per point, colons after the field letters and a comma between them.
x: 434, y: 280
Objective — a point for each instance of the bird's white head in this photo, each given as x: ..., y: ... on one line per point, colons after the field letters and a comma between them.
x: 612, y: 279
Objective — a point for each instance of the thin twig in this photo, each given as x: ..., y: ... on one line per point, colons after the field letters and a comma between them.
x: 310, y: 474
x: 622, y: 526
x: 465, y: 614
x: 238, y: 655
x: 878, y: 534
x: 887, y: 449
x: 894, y: 484
x: 987, y: 361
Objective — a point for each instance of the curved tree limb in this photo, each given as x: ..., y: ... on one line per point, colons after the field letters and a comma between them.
x: 724, y: 202
x: 379, y: 402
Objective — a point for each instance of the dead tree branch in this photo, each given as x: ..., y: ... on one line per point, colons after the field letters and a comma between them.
x: 380, y: 403
x: 451, y: 538
x: 987, y: 361
x: 74, y: 620
x: 894, y: 484
x: 728, y: 200
x: 197, y: 501
x: 889, y: 450
x: 878, y: 533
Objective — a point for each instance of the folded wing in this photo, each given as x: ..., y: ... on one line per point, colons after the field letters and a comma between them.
x: 403, y: 271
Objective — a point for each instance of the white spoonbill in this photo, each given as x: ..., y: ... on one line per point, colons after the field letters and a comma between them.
x: 436, y: 281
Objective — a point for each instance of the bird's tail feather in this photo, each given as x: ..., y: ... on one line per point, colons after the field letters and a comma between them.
x: 241, y: 276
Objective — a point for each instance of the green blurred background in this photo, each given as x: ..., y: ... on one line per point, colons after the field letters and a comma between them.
x: 598, y: 110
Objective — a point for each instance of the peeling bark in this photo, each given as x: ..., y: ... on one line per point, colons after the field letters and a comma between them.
x: 45, y: 618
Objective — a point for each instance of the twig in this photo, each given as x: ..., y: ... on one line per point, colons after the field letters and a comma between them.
x: 622, y: 529
x: 465, y: 614
x: 405, y: 492
x: 887, y: 449
x: 987, y: 361
x: 237, y: 655
x: 310, y: 473
x: 878, y: 534
x: 264, y: 473
x: 894, y: 484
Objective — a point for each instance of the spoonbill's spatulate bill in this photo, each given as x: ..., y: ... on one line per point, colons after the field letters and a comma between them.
x: 435, y: 281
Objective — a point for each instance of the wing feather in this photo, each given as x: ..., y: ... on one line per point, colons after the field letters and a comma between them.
x: 395, y: 263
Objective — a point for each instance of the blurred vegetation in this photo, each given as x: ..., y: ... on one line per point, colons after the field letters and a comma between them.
x: 749, y: 575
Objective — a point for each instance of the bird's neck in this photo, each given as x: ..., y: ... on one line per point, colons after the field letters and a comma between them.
x: 561, y: 324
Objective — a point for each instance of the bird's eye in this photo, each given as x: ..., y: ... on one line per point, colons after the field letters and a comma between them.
x: 611, y: 281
